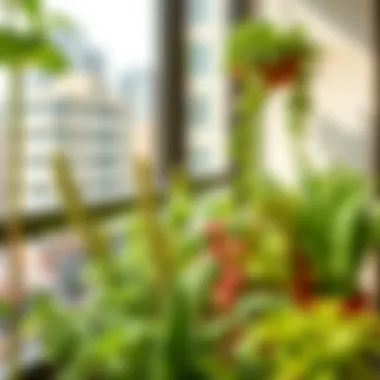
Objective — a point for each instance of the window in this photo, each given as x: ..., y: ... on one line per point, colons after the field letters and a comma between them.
x: 207, y: 87
x: 198, y: 11
x: 83, y: 119
x: 198, y: 111
x: 106, y: 160
x: 62, y: 133
x: 199, y: 160
x: 60, y: 108
x: 199, y: 58
x: 37, y: 162
x: 38, y: 191
x: 39, y: 134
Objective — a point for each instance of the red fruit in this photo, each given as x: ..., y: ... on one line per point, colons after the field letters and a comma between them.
x: 303, y: 298
x: 355, y: 304
x: 302, y: 292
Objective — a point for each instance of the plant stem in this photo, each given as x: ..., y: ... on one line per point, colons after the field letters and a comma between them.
x: 93, y: 238
x: 159, y: 246
x: 246, y: 141
x: 299, y: 108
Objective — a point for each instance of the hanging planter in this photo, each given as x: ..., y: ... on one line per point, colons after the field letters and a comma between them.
x: 274, y: 54
x: 282, y: 72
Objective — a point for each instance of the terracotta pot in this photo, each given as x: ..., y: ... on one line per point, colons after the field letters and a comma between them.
x: 280, y: 73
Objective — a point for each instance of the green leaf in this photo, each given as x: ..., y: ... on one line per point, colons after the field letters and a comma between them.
x: 33, y: 8
x: 18, y: 47
x: 345, y: 252
x: 50, y: 58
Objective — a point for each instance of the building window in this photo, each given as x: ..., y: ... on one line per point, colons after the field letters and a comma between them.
x: 105, y: 160
x: 107, y: 136
x: 198, y: 11
x: 39, y: 190
x: 199, y: 58
x: 199, y: 160
x: 62, y: 134
x: 60, y: 108
x: 198, y: 111
x: 38, y: 134
x: 37, y: 161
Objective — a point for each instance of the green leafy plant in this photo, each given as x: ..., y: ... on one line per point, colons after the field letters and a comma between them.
x: 25, y: 42
x: 320, y: 343
x: 335, y: 227
x: 265, y: 57
x: 188, y: 289
x: 262, y: 48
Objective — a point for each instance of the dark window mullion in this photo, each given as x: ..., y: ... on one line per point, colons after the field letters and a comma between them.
x: 172, y: 87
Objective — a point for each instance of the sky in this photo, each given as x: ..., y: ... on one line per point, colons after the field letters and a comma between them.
x: 123, y: 30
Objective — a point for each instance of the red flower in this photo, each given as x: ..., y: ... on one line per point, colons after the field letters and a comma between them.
x: 223, y: 298
x: 228, y: 288
x: 235, y: 247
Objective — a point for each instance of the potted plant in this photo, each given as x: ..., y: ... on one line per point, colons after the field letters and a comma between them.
x: 277, y: 56
x: 335, y: 226
x: 319, y: 343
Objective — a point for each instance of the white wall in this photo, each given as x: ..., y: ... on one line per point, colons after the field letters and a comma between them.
x: 342, y: 89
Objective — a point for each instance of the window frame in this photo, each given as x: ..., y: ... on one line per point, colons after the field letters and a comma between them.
x: 172, y: 121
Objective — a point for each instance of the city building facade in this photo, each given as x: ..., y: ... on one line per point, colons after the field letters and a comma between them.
x: 207, y: 86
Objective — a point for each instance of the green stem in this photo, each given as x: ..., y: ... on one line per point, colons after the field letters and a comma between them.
x: 299, y: 108
x: 246, y: 141
x: 93, y: 238
x: 159, y: 246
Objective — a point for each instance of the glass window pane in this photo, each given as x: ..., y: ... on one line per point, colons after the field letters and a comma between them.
x: 207, y: 88
x: 198, y: 111
x: 199, y: 58
x: 89, y: 114
x: 198, y: 11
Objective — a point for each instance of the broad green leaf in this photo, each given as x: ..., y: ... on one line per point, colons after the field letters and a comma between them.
x: 50, y: 58
x: 18, y: 47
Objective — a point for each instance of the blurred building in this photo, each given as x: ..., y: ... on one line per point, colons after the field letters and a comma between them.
x: 207, y: 101
x: 140, y: 90
x: 80, y: 117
